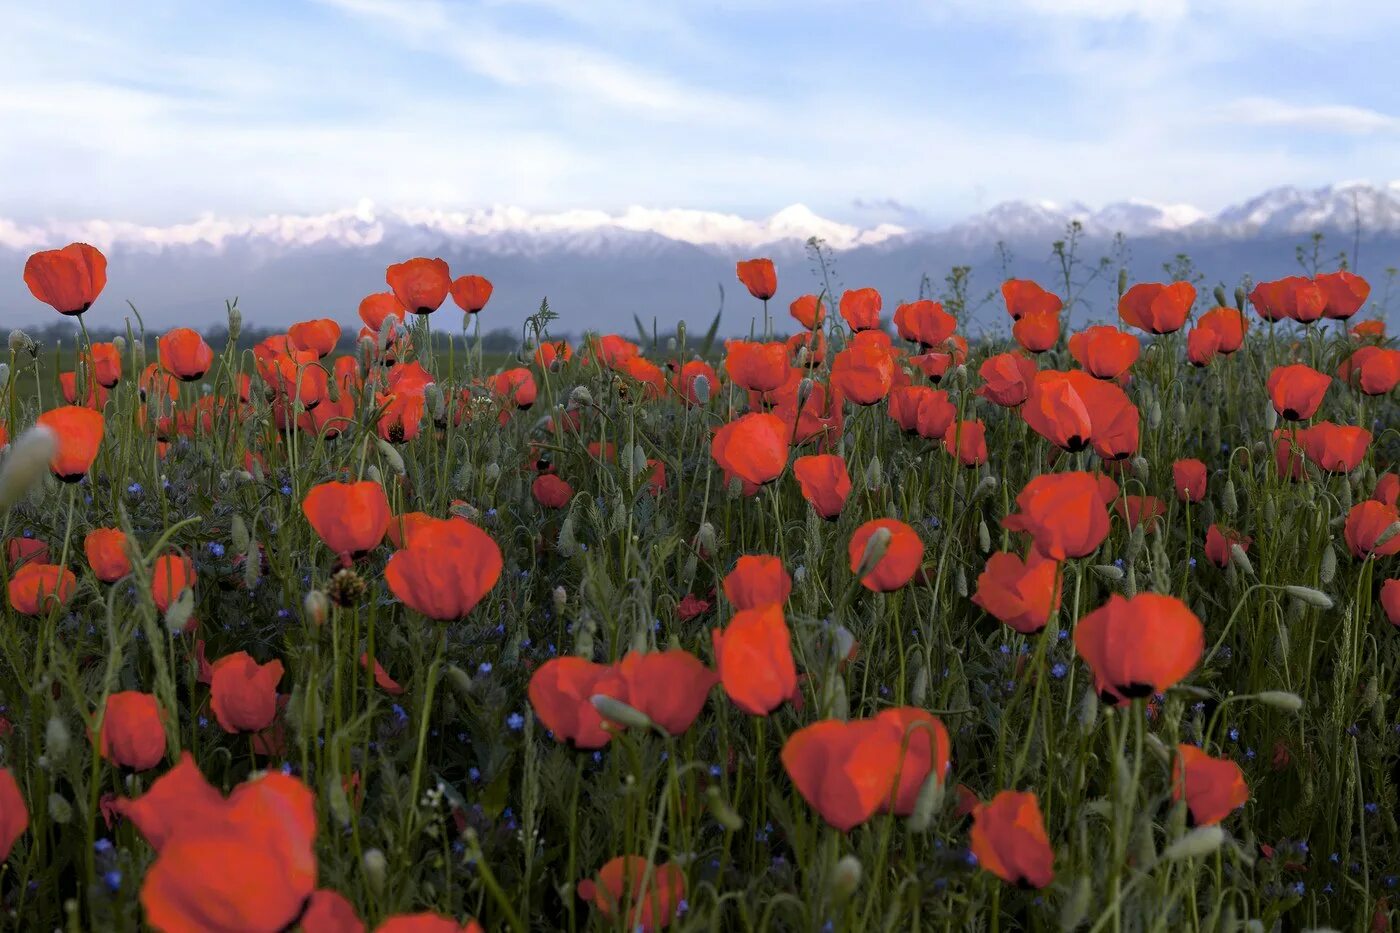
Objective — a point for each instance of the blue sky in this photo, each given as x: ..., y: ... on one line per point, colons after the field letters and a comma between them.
x: 917, y: 112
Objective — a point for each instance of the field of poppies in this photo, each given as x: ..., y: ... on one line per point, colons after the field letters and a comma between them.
x: 868, y: 628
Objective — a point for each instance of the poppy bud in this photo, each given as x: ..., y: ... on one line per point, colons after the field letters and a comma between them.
x: 1240, y: 296
x: 1240, y: 559
x: 720, y: 809
x: 700, y: 387
x: 845, y: 878
x: 1280, y: 699
x: 1197, y: 843
x: 60, y: 810
x: 928, y: 803
x: 180, y: 611
x: 560, y: 598
x: 1122, y: 281
x: 316, y: 605
x: 376, y: 870
x: 26, y: 461
x: 57, y: 740
x: 1315, y: 598
x: 875, y: 547
x: 1076, y: 906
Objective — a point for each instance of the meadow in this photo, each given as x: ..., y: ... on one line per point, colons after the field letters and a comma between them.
x: 869, y: 627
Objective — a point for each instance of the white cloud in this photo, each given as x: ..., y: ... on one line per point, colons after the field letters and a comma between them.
x: 1328, y: 118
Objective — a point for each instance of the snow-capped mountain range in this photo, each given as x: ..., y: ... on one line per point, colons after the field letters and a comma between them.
x: 665, y: 262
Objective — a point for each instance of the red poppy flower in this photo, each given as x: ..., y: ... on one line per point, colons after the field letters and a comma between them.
x: 1293, y: 298
x: 261, y: 839
x: 14, y: 815
x: 1157, y: 308
x: 808, y: 310
x: 691, y: 607
x: 1138, y: 510
x: 421, y: 285
x: 1374, y: 370
x: 1023, y: 297
x: 863, y: 374
x: 1063, y: 513
x: 759, y: 277
x: 1140, y: 646
x: 401, y: 415
x: 844, y: 770
x: 133, y: 730
x: 32, y: 586
x: 1218, y: 542
x: 611, y: 349
x: 171, y: 575
x: 1037, y: 332
x: 376, y: 308
x: 1346, y: 293
x: 1008, y: 838
x: 1189, y: 477
x: 68, y: 279
x: 1105, y: 352
x: 753, y: 655
x: 669, y: 687
x: 381, y: 677
x: 1297, y: 391
x: 1368, y: 330
x: 331, y: 912
x: 924, y: 322
x: 899, y: 563
x: 551, y: 492
x: 21, y: 551
x: 1228, y: 327
x: 617, y: 891
x: 351, y: 518
x: 105, y: 364
x: 1212, y: 787
x: 924, y: 749
x: 243, y: 693
x: 552, y: 351
x: 825, y: 482
x: 904, y: 406
x: 78, y: 433
x: 319, y: 336
x: 644, y: 371
x: 758, y: 367
x: 860, y: 308
x: 756, y: 581
x: 179, y: 799
x: 936, y: 415
x: 184, y: 354
x: 1057, y: 410
x: 1288, y: 459
x: 446, y: 569
x: 967, y: 440
x: 1202, y: 346
x: 1387, y: 489
x: 684, y: 381
x: 471, y: 292
x: 753, y: 448
x: 1390, y: 601
x: 515, y: 386
x: 97, y: 395
x: 1367, y: 523
x: 1022, y: 594
x: 561, y: 692
x: 1335, y: 448
x: 1006, y: 378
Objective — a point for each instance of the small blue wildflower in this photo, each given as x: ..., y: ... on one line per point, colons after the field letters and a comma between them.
x: 113, y: 880
x: 216, y: 549
x: 515, y: 721
x: 286, y: 490
x: 135, y: 489
x: 474, y: 774
x: 484, y: 667
x: 1058, y: 670
x: 102, y: 845
x: 1234, y: 734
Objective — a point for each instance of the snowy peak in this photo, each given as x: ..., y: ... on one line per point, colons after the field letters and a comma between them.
x: 514, y: 231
